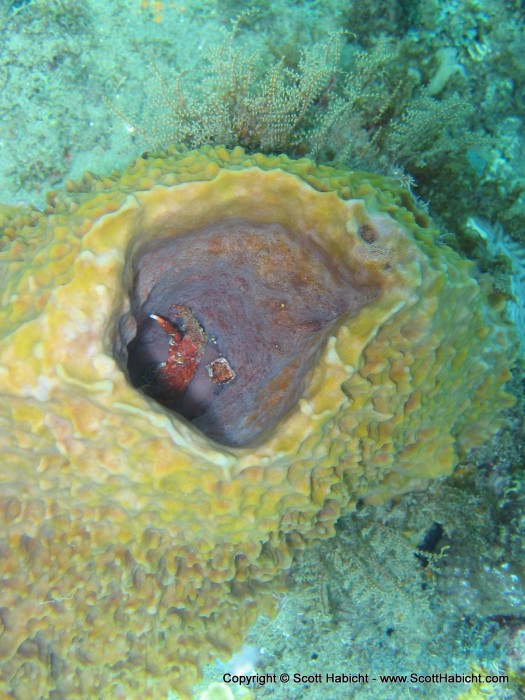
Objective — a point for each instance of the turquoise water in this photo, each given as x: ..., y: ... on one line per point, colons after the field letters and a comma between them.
x: 433, y: 94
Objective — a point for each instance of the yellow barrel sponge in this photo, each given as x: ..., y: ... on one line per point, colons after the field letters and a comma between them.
x: 137, y: 546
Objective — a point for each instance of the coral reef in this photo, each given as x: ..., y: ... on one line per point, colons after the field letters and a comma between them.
x: 134, y: 548
x: 102, y: 559
x: 440, y: 574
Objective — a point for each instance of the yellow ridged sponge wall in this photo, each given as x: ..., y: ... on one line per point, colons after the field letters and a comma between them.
x: 134, y: 549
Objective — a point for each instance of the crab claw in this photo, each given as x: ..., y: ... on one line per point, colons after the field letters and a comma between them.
x: 168, y: 327
x: 185, y: 351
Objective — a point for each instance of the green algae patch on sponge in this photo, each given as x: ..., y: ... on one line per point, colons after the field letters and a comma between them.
x: 204, y: 361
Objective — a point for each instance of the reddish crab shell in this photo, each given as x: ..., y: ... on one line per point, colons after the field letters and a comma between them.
x: 186, y: 349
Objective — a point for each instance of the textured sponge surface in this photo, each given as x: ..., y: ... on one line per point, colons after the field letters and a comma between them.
x: 135, y: 548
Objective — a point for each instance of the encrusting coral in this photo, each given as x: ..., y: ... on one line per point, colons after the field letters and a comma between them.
x: 134, y: 547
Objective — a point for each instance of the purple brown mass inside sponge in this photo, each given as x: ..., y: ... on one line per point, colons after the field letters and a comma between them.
x: 228, y: 320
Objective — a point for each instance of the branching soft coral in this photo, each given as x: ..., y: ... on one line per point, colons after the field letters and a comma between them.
x: 368, y: 116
